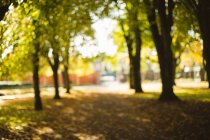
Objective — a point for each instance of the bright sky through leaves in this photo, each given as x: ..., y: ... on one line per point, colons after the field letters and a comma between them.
x: 103, y: 32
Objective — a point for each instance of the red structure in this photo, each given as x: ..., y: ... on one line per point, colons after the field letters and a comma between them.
x: 75, y: 79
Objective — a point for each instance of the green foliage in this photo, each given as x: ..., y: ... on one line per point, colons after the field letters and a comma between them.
x: 186, y: 40
x: 129, y: 23
x: 17, y: 41
x: 51, y: 24
x: 56, y: 24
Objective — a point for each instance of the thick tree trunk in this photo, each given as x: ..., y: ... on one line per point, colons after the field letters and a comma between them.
x: 37, y: 98
x: 131, y: 77
x: 166, y: 22
x: 206, y: 56
x: 167, y: 78
x: 162, y: 44
x: 203, y: 15
x: 136, y: 74
x: 174, y: 70
x: 207, y: 67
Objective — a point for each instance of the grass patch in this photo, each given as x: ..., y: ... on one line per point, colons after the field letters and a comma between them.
x: 15, y: 86
x: 148, y: 95
x: 200, y: 95
x: 183, y: 93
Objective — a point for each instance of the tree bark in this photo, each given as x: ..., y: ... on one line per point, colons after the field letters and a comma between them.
x: 135, y: 74
x: 135, y: 77
x: 37, y: 102
x: 67, y: 81
x: 56, y: 85
x: 203, y: 14
x: 129, y: 43
x: 131, y: 76
x: 167, y: 78
x: 54, y: 66
x: 136, y: 61
x: 66, y: 69
x: 206, y: 55
x: 3, y: 10
x: 202, y: 74
x: 55, y: 75
x: 174, y: 70
x: 162, y: 43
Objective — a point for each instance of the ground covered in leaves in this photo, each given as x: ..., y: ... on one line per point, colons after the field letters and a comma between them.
x: 92, y: 116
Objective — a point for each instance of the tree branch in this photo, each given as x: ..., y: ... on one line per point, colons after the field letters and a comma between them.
x: 50, y: 62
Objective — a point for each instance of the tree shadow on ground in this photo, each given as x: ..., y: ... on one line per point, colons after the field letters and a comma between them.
x: 125, y: 117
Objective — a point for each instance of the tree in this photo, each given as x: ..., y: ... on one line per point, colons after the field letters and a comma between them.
x: 201, y: 10
x: 161, y: 33
x: 22, y: 38
x: 181, y: 38
x: 62, y: 32
x: 73, y: 26
x: 132, y: 36
x: 38, y: 102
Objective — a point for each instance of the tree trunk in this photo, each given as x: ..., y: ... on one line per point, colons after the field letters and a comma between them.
x: 202, y: 74
x: 66, y: 69
x: 131, y: 76
x: 3, y: 10
x: 64, y: 78
x: 207, y: 67
x: 203, y: 15
x: 167, y: 78
x: 55, y: 75
x: 56, y: 85
x: 67, y: 81
x: 136, y: 74
x: 206, y: 55
x: 129, y: 43
x: 162, y: 44
x: 37, y: 98
x: 174, y: 70
x: 166, y: 23
x: 136, y: 61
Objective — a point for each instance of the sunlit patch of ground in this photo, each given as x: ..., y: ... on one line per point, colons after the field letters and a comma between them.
x: 1, y: 102
x: 115, y: 87
x: 85, y: 115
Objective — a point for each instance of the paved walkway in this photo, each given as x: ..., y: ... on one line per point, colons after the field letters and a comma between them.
x: 115, y: 87
x: 108, y: 87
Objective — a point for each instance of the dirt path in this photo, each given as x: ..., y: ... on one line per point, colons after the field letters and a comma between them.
x: 113, y: 117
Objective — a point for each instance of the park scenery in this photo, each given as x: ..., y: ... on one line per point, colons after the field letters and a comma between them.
x: 104, y: 70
